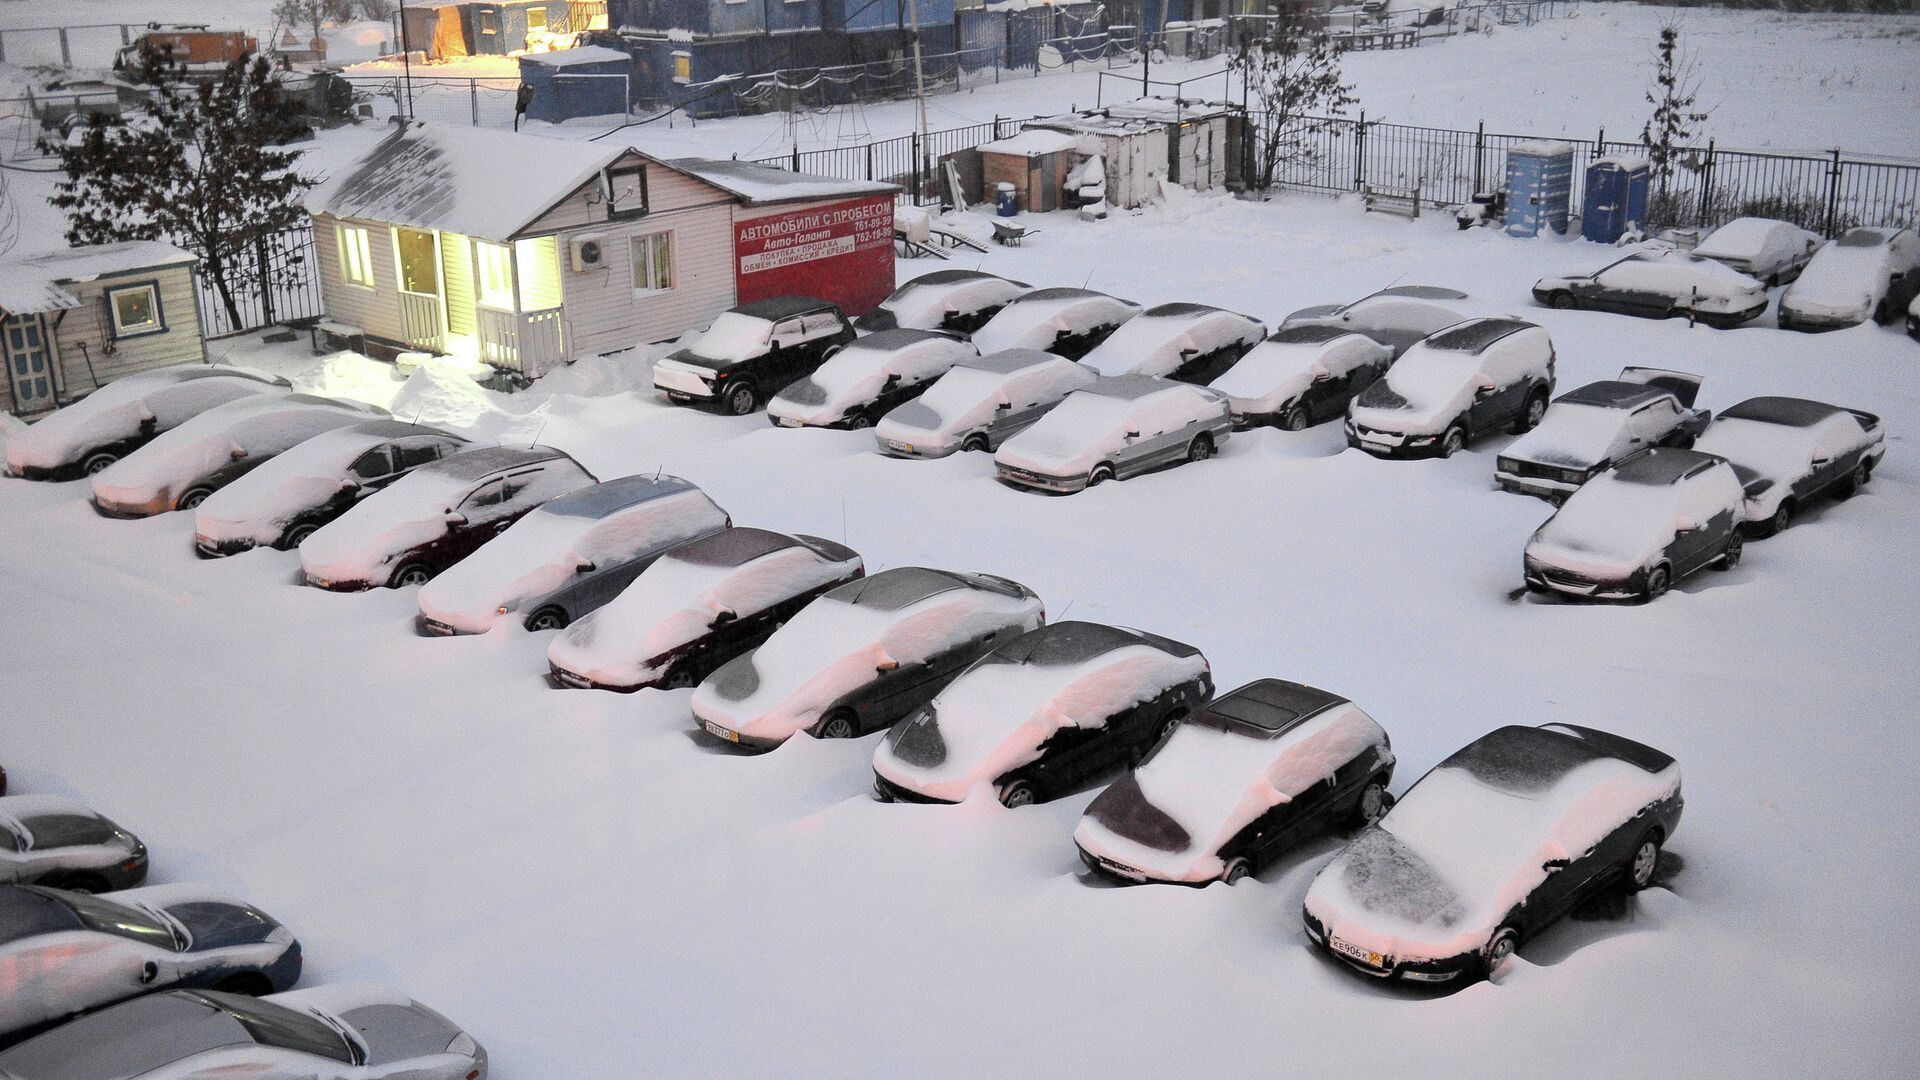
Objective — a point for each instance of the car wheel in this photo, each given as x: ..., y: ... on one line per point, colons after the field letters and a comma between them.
x: 1454, y: 441
x: 1562, y: 300
x: 1236, y: 871
x: 1782, y: 517
x: 1100, y: 475
x: 1848, y: 488
x: 193, y: 497
x: 859, y: 421
x: 1017, y: 794
x: 249, y: 983
x: 98, y: 462
x: 1730, y: 555
x: 547, y: 618
x: 1659, y: 580
x: 838, y: 724
x: 975, y: 442
x: 1295, y: 419
x: 412, y: 574
x: 741, y: 400
x: 678, y: 677
x: 1531, y: 416
x: 1374, y: 803
x: 1880, y: 314
x: 1500, y: 946
x: 1646, y: 859
x: 298, y: 534
x: 1200, y: 449
x: 1159, y: 736
x: 80, y: 883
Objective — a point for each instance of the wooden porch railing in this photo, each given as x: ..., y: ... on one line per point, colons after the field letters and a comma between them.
x: 529, y: 343
x: 420, y: 322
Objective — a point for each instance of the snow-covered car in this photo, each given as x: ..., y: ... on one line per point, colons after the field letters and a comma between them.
x: 55, y: 841
x: 87, y: 436
x: 1466, y: 381
x: 1301, y: 376
x: 1660, y: 284
x: 957, y: 301
x: 980, y: 404
x: 1120, y: 426
x: 435, y: 516
x: 697, y: 607
x: 1634, y: 530
x: 1238, y: 783
x: 1066, y: 321
x: 1491, y: 847
x: 752, y: 351
x: 1186, y: 342
x: 1040, y: 716
x: 1913, y: 319
x: 1789, y: 451
x: 178, y: 470
x: 569, y: 555
x: 69, y: 952
x: 1601, y: 425
x: 870, y: 377
x: 1397, y: 317
x: 862, y: 656
x: 1867, y: 273
x: 287, y: 499
x: 1772, y: 251
x: 340, y: 1032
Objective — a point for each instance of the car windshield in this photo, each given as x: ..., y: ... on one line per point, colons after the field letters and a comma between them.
x: 110, y: 918
x: 1574, y: 434
x: 1775, y: 451
x: 1079, y: 423
x: 734, y: 336
x: 961, y: 390
x: 1429, y: 380
x: 67, y: 830
x: 276, y: 1025
x: 1615, y: 518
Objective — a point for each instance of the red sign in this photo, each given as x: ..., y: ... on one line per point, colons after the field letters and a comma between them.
x: 841, y: 252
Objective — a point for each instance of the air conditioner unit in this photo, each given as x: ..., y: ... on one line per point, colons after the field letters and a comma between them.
x: 589, y: 252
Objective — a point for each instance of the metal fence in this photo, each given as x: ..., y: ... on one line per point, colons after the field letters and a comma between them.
x: 279, y: 284
x: 92, y: 45
x: 907, y: 160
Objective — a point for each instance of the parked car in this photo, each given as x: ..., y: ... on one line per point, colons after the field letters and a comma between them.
x: 3, y: 781
x: 1634, y: 530
x: 1067, y: 322
x: 1184, y: 342
x: 1867, y: 273
x: 1913, y: 319
x: 1239, y: 783
x: 90, y: 434
x: 862, y: 656
x: 1043, y: 714
x: 1465, y: 381
x: 50, y: 840
x: 1772, y: 251
x: 70, y: 953
x: 699, y: 606
x: 956, y: 301
x: 1397, y: 317
x: 980, y: 404
x: 1119, y: 427
x: 435, y: 516
x: 1601, y: 425
x: 289, y: 498
x: 752, y: 352
x: 337, y: 1032
x: 1301, y: 376
x: 1790, y: 451
x: 867, y: 379
x: 178, y: 470
x: 569, y: 555
x: 1660, y: 284
x: 1491, y: 847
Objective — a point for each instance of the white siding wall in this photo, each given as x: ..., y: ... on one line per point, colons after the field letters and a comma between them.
x: 603, y: 312
x: 86, y: 332
x: 375, y: 310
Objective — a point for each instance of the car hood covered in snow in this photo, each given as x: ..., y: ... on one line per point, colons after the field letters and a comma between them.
x: 251, y: 427
x: 1609, y: 527
x: 1573, y: 436
x: 164, y: 398
x: 1420, y: 394
x: 858, y: 373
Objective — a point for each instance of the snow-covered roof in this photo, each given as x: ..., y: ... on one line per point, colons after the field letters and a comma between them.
x: 1133, y: 116
x: 1032, y: 142
x: 33, y: 284
x: 1541, y: 148
x: 758, y: 184
x: 586, y: 54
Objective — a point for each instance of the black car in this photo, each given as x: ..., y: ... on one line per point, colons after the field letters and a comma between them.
x: 956, y: 301
x: 1064, y: 321
x: 1637, y: 528
x: 752, y: 352
x: 1301, y: 376
x: 1185, y: 342
x: 1471, y: 379
x: 1237, y: 784
x: 1491, y: 847
x: 49, y: 840
x: 1660, y: 284
x: 1040, y: 716
x: 1398, y: 316
x: 1600, y: 425
x: 1790, y: 451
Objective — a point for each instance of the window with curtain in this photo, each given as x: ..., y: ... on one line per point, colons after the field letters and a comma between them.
x: 419, y: 257
x: 356, y: 255
x: 653, y: 262
x: 496, y: 274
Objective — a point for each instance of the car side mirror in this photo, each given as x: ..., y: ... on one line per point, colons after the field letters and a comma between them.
x: 1003, y: 406
x: 586, y: 567
x: 724, y: 617
x: 893, y: 379
x: 1819, y: 461
x: 1554, y: 865
x: 238, y: 453
x: 885, y: 666
x: 1133, y: 434
x: 1188, y: 354
x: 1485, y: 391
x: 455, y: 517
x: 149, y: 971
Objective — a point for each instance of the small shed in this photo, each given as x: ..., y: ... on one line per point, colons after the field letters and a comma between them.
x: 1184, y: 141
x: 445, y: 29
x: 1539, y: 187
x: 1616, y: 197
x: 1034, y: 161
x: 592, y: 80
x: 73, y: 321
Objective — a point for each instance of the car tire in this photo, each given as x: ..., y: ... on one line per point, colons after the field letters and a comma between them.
x: 859, y: 421
x: 1848, y: 488
x: 1200, y: 449
x: 412, y: 574
x: 1781, y: 520
x: 1159, y: 736
x: 298, y: 535
x: 1530, y: 416
x: 1881, y: 315
x: 1453, y: 441
x: 1099, y: 474
x: 249, y: 984
x: 1373, y: 804
x: 547, y: 618
x: 1659, y: 581
x: 192, y: 497
x: 80, y: 883
x: 1295, y: 419
x: 838, y: 724
x: 1730, y: 555
x: 975, y: 442
x: 1504, y: 942
x: 678, y: 677
x: 96, y: 463
x: 1017, y: 794
x: 1643, y: 863
x: 1236, y: 871
x: 742, y: 399
x: 1562, y: 300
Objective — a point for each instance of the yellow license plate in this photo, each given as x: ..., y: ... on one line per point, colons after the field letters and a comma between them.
x: 722, y: 733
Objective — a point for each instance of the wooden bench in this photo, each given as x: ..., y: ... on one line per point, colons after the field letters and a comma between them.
x: 1399, y: 203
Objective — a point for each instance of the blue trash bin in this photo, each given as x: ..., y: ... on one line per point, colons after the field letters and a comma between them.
x: 1007, y: 200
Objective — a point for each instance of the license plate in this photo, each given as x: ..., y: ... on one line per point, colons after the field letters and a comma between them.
x: 903, y: 447
x: 439, y: 628
x: 719, y: 732
x: 1372, y: 959
x: 1371, y: 444
x: 782, y: 421
x: 573, y: 680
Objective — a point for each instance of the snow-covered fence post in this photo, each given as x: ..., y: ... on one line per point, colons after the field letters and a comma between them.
x: 473, y: 99
x: 1360, y: 152
x: 1833, y: 196
x: 1706, y: 187
x: 1479, y: 157
x: 66, y: 52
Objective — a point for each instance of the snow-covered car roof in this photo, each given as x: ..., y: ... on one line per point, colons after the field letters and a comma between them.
x: 924, y: 302
x: 1420, y: 292
x: 304, y: 476
x: 1680, y: 271
x: 858, y: 373
x: 1159, y: 339
x: 1476, y: 336
x: 1785, y: 411
x: 1472, y: 837
x: 167, y: 396
x: 1613, y: 394
x: 1573, y: 434
x: 16, y: 810
x: 775, y: 308
x: 1002, y: 709
x: 1743, y: 238
x: 261, y: 424
x: 1034, y: 320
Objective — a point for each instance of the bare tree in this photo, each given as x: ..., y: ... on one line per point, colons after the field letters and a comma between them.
x: 1675, y: 121
x: 1293, y: 76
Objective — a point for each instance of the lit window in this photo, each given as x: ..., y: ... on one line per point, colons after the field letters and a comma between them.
x: 356, y: 255
x: 136, y: 310
x: 489, y: 22
x: 496, y: 275
x: 653, y: 262
x: 536, y: 19
x: 682, y: 67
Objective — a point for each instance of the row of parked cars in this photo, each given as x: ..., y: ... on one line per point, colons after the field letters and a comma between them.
x: 104, y: 976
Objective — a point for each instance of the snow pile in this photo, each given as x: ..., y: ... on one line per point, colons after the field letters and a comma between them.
x: 1274, y: 373
x: 442, y: 394
x: 1040, y: 318
x: 1424, y: 389
x: 674, y: 602
x: 858, y: 374
x: 168, y: 397
x: 545, y: 550
x: 350, y: 376
x: 1573, y: 435
x: 1159, y: 340
x: 1213, y: 783
x: 995, y: 716
x: 252, y: 427
x: 1848, y: 277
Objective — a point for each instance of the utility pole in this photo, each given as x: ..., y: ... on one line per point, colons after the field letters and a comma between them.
x: 406, y: 55
x: 920, y: 95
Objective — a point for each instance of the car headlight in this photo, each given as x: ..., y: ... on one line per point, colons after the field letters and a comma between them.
x: 463, y: 1045
x: 1428, y: 976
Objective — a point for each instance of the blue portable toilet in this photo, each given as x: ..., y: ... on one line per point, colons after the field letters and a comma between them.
x: 1616, y: 198
x: 1539, y: 187
x: 568, y: 83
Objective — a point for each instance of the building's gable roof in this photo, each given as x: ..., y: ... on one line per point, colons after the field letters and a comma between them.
x: 35, y: 284
x: 756, y: 184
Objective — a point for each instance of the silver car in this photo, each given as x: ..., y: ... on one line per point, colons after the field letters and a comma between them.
x: 980, y: 403
x: 1116, y: 428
